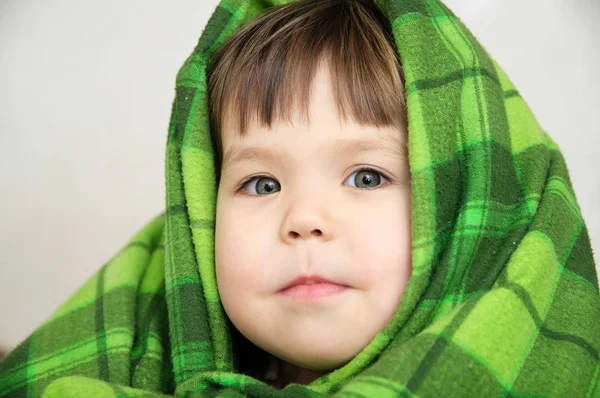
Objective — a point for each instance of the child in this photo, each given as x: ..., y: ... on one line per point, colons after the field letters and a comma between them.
x: 323, y: 197
x: 445, y: 226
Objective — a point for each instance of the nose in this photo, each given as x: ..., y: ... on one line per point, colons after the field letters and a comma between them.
x: 306, y: 221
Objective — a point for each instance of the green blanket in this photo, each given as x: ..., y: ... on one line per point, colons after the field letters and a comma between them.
x: 503, y: 299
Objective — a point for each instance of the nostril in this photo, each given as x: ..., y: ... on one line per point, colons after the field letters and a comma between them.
x: 316, y: 232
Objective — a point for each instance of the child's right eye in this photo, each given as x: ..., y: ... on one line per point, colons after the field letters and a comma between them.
x: 261, y: 185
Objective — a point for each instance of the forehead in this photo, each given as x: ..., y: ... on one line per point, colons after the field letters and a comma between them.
x: 324, y: 124
x: 325, y: 137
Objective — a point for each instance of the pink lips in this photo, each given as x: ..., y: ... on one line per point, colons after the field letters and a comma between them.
x: 311, y: 288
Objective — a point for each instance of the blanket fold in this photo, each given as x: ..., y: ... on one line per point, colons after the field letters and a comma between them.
x: 503, y: 299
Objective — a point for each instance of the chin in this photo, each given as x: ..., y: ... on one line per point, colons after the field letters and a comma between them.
x: 317, y: 358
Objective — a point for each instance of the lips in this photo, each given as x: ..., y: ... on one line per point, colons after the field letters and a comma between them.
x: 309, y: 280
x: 311, y: 288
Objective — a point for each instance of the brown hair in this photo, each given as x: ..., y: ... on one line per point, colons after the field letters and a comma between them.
x: 262, y: 68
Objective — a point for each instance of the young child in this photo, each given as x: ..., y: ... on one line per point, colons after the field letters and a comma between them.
x: 359, y: 203
x: 305, y: 194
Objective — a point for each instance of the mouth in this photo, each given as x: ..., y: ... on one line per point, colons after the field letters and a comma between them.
x: 311, y: 288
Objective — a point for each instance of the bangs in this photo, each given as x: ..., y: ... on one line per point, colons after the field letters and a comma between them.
x: 265, y: 71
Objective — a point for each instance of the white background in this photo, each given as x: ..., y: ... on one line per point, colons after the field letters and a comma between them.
x: 85, y: 98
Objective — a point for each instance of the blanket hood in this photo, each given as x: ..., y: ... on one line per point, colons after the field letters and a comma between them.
x: 499, y: 244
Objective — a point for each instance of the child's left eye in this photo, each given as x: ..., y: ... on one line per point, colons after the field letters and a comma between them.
x: 366, y: 179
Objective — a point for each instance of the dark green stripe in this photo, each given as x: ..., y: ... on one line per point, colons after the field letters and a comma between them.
x: 18, y: 361
x: 427, y: 84
x: 580, y: 259
x: 432, y: 355
x: 32, y: 363
x: 525, y: 298
x: 511, y: 93
x: 184, y: 97
x: 155, y: 304
x: 439, y: 345
x: 60, y: 371
x: 215, y: 25
x: 551, y: 334
x: 101, y: 328
x: 203, y: 224
x: 176, y: 209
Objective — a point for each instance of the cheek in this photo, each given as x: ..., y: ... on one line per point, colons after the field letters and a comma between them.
x: 391, y: 266
x: 229, y: 264
x: 382, y: 240
x: 238, y: 253
x: 387, y: 217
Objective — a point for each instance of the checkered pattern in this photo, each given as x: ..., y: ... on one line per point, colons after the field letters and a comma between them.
x: 503, y: 300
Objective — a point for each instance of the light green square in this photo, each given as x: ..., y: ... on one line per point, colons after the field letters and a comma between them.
x: 525, y: 130
x: 127, y: 268
x: 474, y: 217
x: 471, y: 113
x: 448, y: 32
x: 499, y: 331
x: 418, y: 140
x: 371, y: 386
x: 74, y: 386
x: 199, y: 180
x: 154, y: 276
x: 538, y: 273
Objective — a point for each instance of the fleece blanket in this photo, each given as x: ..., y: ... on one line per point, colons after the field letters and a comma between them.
x: 503, y: 299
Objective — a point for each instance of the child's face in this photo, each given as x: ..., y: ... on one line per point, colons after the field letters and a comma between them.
x: 310, y: 218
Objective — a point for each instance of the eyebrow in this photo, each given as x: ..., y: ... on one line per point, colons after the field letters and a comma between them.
x: 393, y: 146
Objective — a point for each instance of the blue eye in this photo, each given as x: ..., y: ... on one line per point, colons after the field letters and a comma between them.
x: 261, y: 185
x: 366, y: 179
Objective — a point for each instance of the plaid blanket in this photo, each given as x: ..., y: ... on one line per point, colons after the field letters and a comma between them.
x: 503, y: 299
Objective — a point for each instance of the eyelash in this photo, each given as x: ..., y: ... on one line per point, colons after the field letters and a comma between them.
x: 240, y: 187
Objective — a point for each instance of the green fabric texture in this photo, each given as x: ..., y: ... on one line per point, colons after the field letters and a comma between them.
x: 503, y: 299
